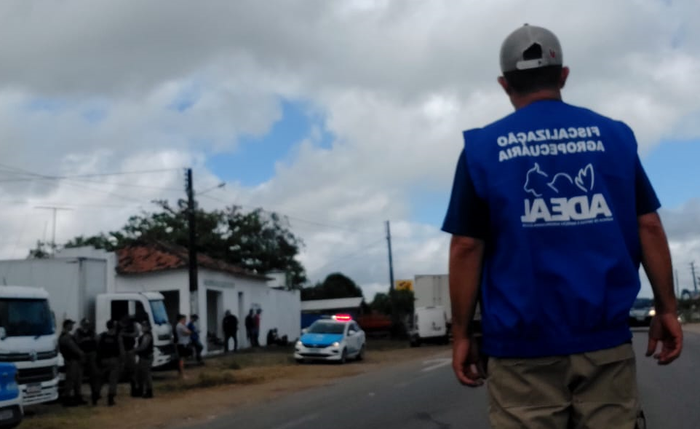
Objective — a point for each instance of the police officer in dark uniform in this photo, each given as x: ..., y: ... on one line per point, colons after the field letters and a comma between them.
x: 109, y: 353
x: 87, y: 341
x: 144, y: 352
x: 128, y: 334
x: 73, y: 359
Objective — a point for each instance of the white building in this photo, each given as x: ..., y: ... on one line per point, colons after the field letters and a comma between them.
x: 221, y: 286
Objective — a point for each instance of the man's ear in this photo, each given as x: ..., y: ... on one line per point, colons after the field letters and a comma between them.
x: 504, y: 84
x: 564, y: 76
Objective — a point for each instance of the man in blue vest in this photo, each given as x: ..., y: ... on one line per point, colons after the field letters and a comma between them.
x: 551, y: 215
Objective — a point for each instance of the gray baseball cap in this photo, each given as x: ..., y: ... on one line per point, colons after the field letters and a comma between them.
x: 530, y: 47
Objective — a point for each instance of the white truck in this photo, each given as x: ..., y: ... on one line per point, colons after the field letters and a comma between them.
x: 28, y: 340
x: 433, y: 290
x: 429, y: 325
x: 78, y: 288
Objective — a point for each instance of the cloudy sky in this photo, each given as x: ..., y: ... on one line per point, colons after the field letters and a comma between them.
x: 338, y: 114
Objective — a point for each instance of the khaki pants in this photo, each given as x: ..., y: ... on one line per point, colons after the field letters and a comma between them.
x: 143, y: 374
x: 596, y: 390
x: 110, y: 371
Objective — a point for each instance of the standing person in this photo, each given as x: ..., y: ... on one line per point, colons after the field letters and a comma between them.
x: 109, y: 354
x: 144, y: 352
x: 193, y: 327
x: 183, y: 343
x: 230, y: 328
x: 551, y: 215
x: 256, y: 327
x: 73, y: 361
x: 128, y: 332
x: 87, y: 341
x: 250, y: 327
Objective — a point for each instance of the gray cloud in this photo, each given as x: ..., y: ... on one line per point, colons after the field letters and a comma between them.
x: 91, y: 86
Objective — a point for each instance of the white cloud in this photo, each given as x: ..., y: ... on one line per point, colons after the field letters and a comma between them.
x: 394, y: 81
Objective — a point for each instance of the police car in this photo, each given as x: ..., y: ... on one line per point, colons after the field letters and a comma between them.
x: 337, y: 339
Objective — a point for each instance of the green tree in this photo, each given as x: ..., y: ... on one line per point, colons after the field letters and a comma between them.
x: 404, y: 302
x: 334, y: 286
x: 256, y: 240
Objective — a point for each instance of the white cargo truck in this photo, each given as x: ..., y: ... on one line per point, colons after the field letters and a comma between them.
x: 77, y: 288
x: 28, y: 340
x: 429, y: 325
x: 433, y: 290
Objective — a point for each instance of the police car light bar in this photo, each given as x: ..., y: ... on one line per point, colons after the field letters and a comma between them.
x: 342, y: 317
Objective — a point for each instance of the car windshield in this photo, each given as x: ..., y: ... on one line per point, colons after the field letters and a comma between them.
x: 26, y: 317
x: 327, y: 328
x: 160, y: 316
x: 640, y: 303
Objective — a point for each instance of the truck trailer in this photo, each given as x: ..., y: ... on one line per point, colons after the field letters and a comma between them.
x: 433, y: 290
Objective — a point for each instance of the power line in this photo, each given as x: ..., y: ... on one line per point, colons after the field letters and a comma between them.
x: 72, y: 205
x: 123, y: 197
x: 70, y: 183
x: 311, y: 222
x: 80, y: 180
x: 350, y: 256
x: 77, y: 176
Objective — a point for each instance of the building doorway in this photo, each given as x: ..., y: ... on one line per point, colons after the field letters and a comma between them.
x: 215, y: 315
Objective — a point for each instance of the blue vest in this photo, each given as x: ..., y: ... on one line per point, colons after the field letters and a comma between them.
x: 561, y: 269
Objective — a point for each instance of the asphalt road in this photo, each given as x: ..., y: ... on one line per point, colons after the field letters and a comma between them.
x: 424, y: 394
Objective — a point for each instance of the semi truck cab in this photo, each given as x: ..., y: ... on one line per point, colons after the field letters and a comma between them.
x: 28, y: 340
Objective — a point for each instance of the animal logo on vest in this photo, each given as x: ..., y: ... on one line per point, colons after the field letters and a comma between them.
x: 539, y: 183
x: 562, y: 198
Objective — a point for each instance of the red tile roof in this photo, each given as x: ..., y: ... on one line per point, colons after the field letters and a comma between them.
x: 155, y: 257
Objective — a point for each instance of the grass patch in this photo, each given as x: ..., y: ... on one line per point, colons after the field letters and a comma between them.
x: 46, y: 417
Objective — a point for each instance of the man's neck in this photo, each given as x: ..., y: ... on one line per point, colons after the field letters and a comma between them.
x: 520, y: 101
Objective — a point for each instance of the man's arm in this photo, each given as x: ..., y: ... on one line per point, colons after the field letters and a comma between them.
x: 656, y: 259
x: 467, y: 219
x: 466, y: 260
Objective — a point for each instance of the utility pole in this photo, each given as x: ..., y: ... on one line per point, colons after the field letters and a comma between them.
x: 192, y: 225
x: 678, y: 290
x: 53, y: 233
x: 392, y: 294
x: 695, y: 279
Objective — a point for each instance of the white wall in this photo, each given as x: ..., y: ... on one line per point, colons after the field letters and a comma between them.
x: 281, y: 309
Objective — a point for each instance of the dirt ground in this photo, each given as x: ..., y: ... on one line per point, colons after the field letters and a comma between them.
x: 222, y: 385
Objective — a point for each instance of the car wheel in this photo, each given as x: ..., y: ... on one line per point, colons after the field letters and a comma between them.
x: 343, y: 357
x: 361, y: 354
x: 300, y: 361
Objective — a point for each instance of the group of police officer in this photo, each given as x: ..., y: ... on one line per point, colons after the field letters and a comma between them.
x: 124, y: 350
